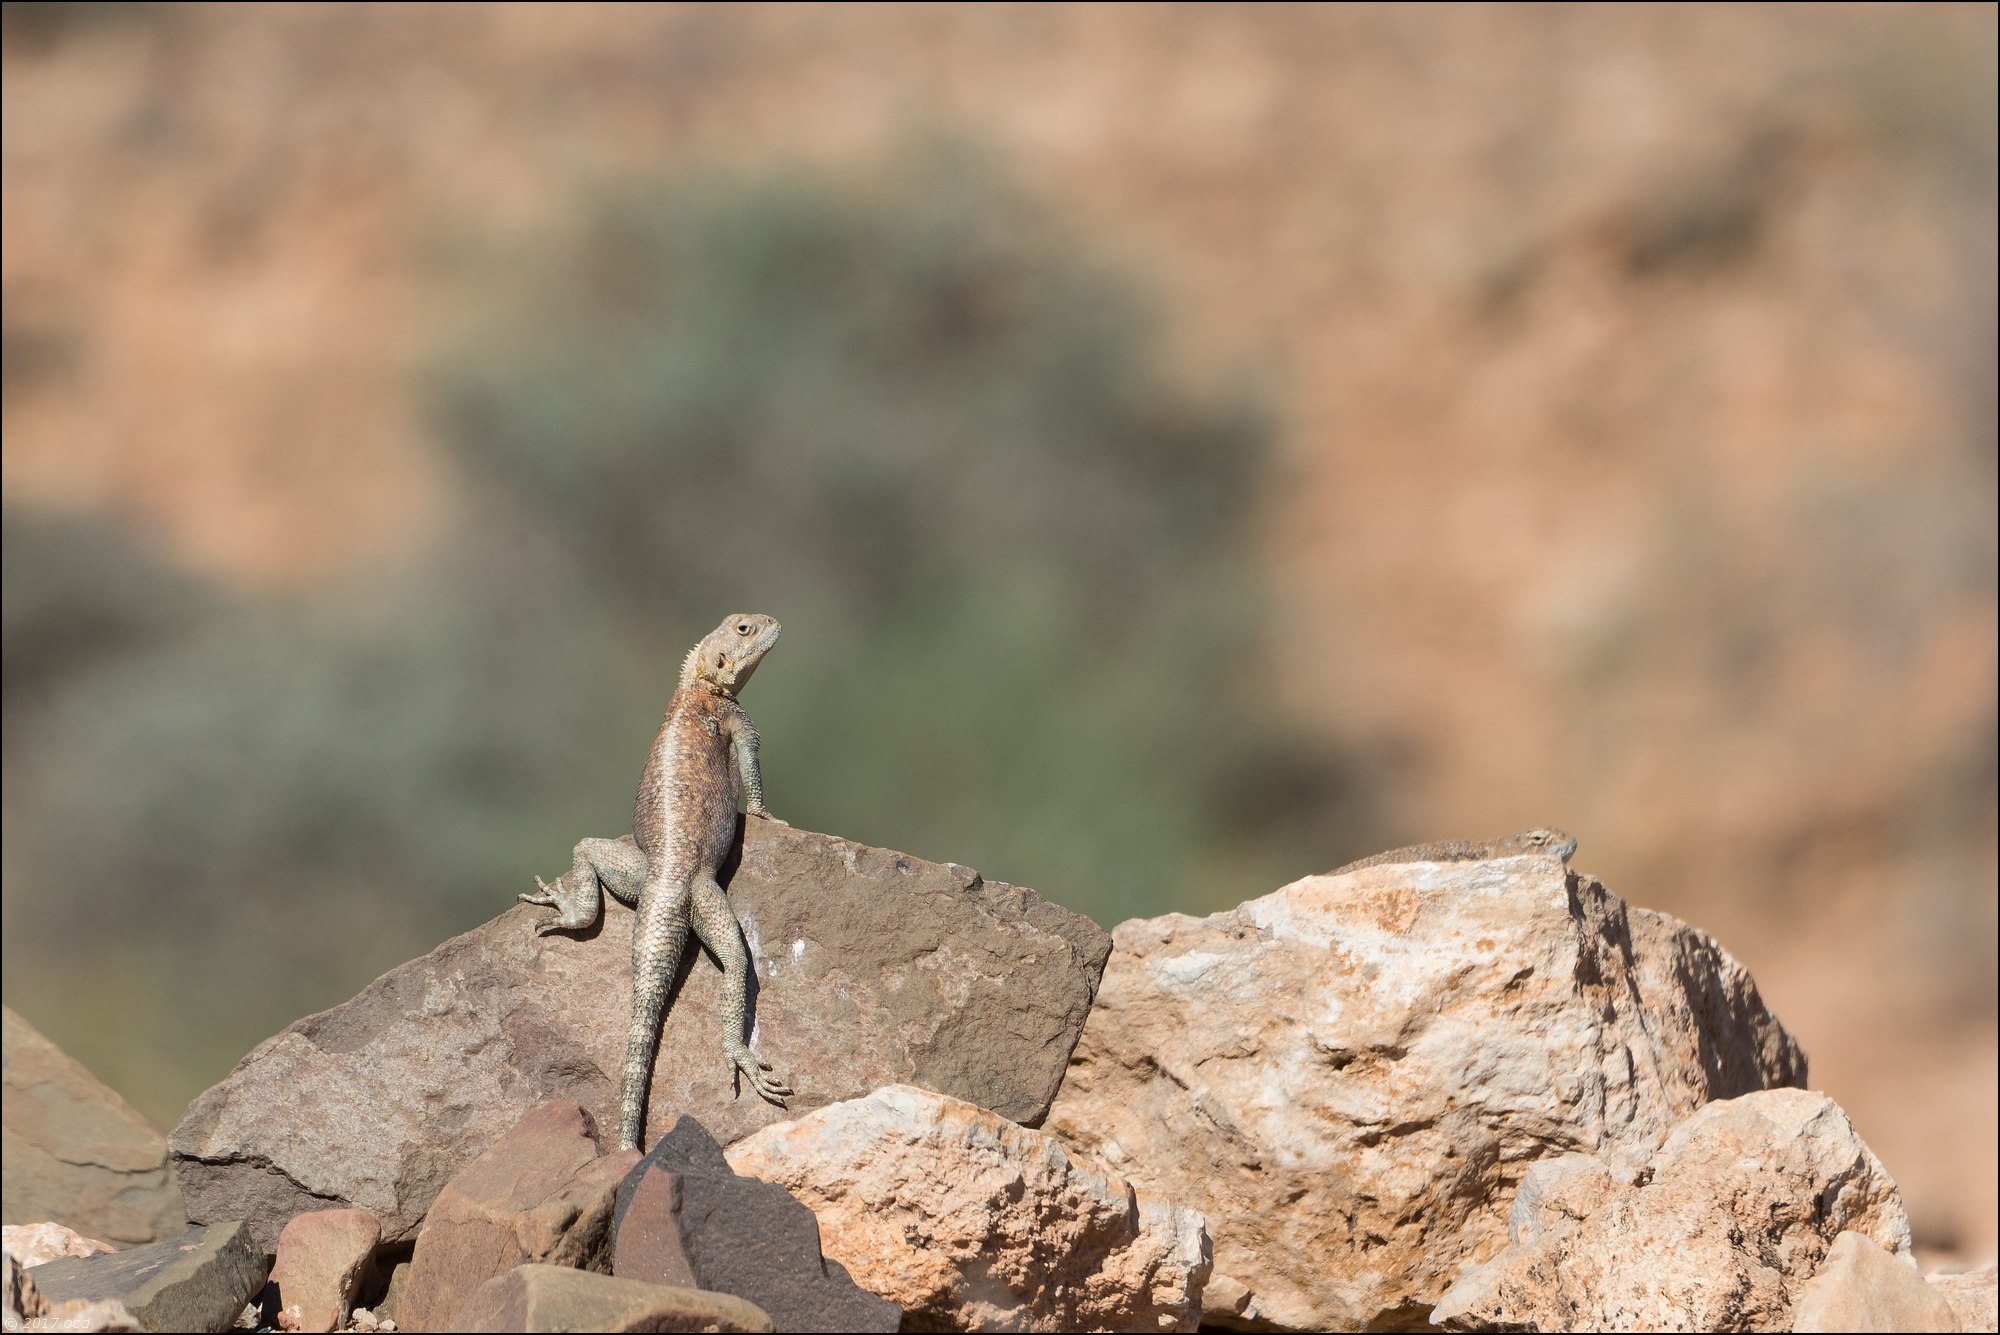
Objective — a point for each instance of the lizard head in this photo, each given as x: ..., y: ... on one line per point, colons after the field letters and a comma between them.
x: 727, y: 655
x: 1548, y: 839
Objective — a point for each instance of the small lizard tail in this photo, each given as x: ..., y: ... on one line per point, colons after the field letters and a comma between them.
x: 657, y: 941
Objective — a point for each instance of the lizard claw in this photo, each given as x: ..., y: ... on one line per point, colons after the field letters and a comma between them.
x: 769, y: 1087
x: 547, y: 898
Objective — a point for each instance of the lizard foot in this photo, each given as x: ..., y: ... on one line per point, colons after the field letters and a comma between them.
x: 549, y: 898
x: 765, y: 815
x: 771, y: 1088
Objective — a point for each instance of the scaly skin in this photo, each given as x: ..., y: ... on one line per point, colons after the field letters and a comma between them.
x: 1552, y: 842
x: 683, y: 825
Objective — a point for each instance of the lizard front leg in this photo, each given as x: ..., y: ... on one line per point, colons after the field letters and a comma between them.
x: 749, y: 778
x: 716, y: 924
x: 616, y: 865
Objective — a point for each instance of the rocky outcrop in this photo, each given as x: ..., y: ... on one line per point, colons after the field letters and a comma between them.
x: 553, y: 1298
x: 1721, y: 1230
x: 1349, y: 1077
x: 872, y: 968
x: 199, y: 1281
x: 76, y: 1153
x: 969, y: 1222
x: 322, y: 1258
x: 1861, y: 1287
x: 541, y: 1193
x: 686, y: 1218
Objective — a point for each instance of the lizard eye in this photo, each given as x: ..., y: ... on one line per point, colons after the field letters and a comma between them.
x: 742, y: 628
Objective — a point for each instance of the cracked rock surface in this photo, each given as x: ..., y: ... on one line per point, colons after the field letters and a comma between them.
x: 872, y: 968
x: 1349, y: 1077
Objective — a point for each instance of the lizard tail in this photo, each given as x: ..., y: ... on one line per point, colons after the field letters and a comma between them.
x: 658, y: 939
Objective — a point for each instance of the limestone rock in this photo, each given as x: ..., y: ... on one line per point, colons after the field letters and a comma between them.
x: 198, y: 1281
x: 550, y: 1298
x: 686, y: 1218
x: 970, y: 1222
x: 76, y: 1153
x: 1727, y: 1223
x: 1349, y: 1076
x: 1860, y: 1287
x: 872, y: 967
x: 1974, y: 1296
x: 322, y: 1257
x: 32, y: 1244
x: 541, y: 1193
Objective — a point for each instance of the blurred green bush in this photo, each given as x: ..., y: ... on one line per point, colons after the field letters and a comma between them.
x: 1011, y: 551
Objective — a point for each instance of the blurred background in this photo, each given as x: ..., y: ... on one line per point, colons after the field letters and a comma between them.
x: 1189, y: 447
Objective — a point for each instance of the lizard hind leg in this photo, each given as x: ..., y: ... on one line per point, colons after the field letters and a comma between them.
x: 577, y: 896
x: 716, y: 924
x: 658, y: 939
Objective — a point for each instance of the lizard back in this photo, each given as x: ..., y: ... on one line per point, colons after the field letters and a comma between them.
x: 684, y: 816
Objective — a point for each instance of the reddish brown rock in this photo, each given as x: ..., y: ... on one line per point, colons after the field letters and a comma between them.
x: 686, y: 1217
x: 872, y: 968
x: 541, y: 1193
x: 553, y: 1298
x: 322, y: 1257
x: 76, y: 1153
x: 969, y: 1222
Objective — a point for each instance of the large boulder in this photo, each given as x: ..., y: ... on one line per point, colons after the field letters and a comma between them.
x: 969, y: 1222
x: 872, y: 968
x: 76, y: 1152
x: 1732, y: 1225
x: 1350, y: 1076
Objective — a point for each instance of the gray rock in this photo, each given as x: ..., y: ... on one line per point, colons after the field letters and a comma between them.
x: 547, y: 1297
x: 198, y: 1281
x: 686, y: 1218
x: 872, y: 968
x: 76, y: 1153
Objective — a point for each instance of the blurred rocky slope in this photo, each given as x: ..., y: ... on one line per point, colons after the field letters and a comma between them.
x: 1637, y: 367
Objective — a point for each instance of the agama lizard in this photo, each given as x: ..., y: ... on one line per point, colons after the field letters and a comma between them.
x: 683, y: 823
x: 1542, y: 839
